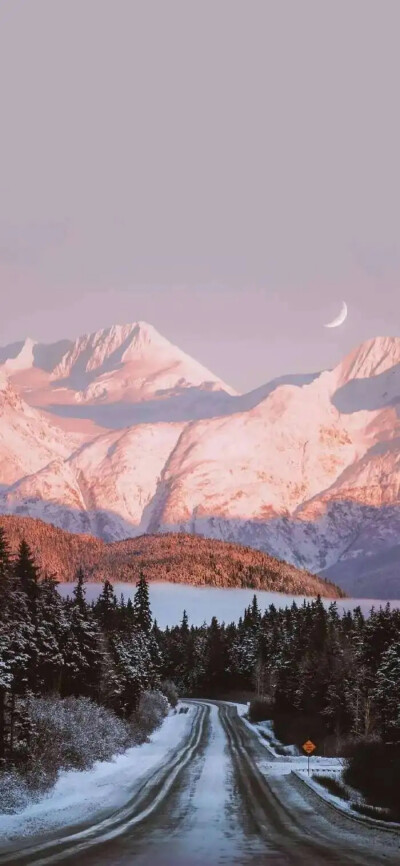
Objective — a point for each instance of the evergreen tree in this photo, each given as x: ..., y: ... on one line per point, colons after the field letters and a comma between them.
x: 26, y: 579
x: 82, y: 649
x: 17, y: 649
x: 5, y: 563
x: 141, y: 605
x: 387, y: 692
x: 27, y: 572
x: 184, y: 625
x: 131, y: 672
x: 106, y: 607
x: 50, y: 636
x: 216, y: 665
x: 79, y: 593
x: 193, y: 677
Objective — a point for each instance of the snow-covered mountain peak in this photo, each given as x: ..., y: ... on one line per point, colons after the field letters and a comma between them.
x: 145, y: 334
x: 18, y: 356
x: 110, y: 349
x: 114, y: 377
x: 369, y: 377
x: 145, y: 339
x: 371, y: 358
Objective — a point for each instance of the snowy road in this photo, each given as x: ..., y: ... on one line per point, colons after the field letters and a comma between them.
x: 209, y: 804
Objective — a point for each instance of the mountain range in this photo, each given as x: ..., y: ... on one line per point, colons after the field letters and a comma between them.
x: 120, y: 433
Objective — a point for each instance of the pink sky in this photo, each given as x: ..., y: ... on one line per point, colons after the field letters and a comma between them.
x: 226, y: 170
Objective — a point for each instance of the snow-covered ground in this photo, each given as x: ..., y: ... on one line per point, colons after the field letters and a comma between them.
x: 205, y: 818
x: 284, y: 759
x: 322, y: 791
x: 79, y: 796
x: 342, y: 803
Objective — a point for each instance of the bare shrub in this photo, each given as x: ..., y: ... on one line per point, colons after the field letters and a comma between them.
x: 170, y: 690
x: 152, y: 709
x: 15, y: 792
x: 72, y: 733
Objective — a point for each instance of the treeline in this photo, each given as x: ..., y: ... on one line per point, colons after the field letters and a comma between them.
x: 173, y: 557
x: 106, y: 652
x: 313, y: 673
x: 320, y: 674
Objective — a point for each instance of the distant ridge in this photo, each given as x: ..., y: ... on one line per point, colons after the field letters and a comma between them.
x: 172, y: 557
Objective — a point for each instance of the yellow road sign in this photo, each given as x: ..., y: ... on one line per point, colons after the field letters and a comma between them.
x: 309, y: 747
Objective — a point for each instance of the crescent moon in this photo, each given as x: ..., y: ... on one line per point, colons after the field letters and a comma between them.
x: 340, y: 318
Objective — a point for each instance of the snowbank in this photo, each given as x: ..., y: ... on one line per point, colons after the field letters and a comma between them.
x: 346, y: 806
x: 285, y: 758
x: 80, y: 796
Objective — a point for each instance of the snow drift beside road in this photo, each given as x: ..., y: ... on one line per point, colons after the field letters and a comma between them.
x: 80, y: 796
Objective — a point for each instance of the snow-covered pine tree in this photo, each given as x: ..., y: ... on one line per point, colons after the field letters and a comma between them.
x: 387, y: 692
x: 26, y: 582
x: 27, y: 573
x: 131, y: 672
x: 82, y: 649
x: 79, y: 593
x: 17, y: 650
x: 51, y: 631
x: 141, y: 605
x: 5, y: 560
x: 106, y: 607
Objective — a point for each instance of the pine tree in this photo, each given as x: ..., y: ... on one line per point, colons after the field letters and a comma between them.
x: 130, y: 676
x: 17, y: 651
x: 82, y: 649
x: 129, y: 614
x: 50, y: 636
x: 79, y: 593
x: 216, y: 657
x: 195, y: 662
x: 141, y: 605
x: 26, y: 580
x: 27, y: 572
x: 387, y: 692
x: 5, y: 560
x: 106, y: 607
x: 255, y: 612
x: 184, y: 624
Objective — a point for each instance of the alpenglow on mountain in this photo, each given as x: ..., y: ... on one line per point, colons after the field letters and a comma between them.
x: 120, y: 433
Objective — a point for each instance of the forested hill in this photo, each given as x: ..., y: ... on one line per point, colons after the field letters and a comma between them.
x: 173, y: 557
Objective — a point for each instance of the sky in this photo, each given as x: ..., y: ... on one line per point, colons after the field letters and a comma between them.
x: 227, y: 170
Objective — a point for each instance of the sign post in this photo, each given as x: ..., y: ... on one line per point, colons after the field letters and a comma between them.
x: 309, y: 747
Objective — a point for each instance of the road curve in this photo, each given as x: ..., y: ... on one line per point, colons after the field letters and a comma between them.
x: 210, y: 804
